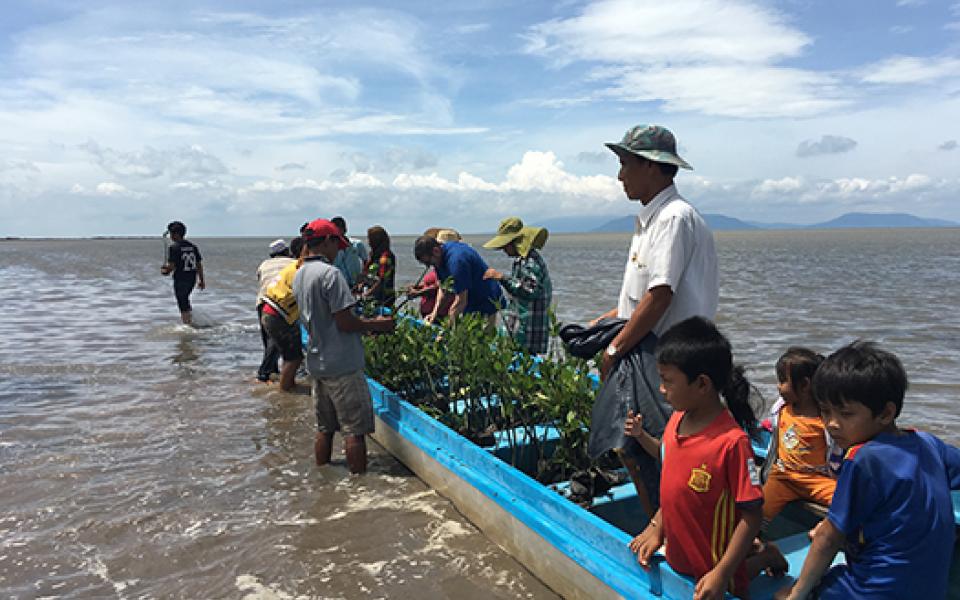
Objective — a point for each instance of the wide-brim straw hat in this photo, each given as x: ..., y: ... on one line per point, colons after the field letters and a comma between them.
x: 448, y: 235
x: 524, y: 238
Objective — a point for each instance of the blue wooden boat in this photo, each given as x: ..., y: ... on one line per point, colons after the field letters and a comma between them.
x: 578, y: 553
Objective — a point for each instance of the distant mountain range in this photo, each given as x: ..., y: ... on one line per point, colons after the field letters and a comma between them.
x: 725, y: 223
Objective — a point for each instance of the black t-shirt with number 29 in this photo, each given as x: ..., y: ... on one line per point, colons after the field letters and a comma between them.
x: 185, y: 258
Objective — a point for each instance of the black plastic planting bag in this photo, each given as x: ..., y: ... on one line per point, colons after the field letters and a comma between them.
x: 585, y: 342
x: 633, y: 384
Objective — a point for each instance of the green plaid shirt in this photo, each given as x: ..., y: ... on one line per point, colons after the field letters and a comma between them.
x: 525, y: 316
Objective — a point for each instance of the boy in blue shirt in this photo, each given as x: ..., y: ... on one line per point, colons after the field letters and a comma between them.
x: 892, y: 512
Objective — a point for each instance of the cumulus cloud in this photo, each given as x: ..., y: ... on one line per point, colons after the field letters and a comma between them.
x: 110, y: 188
x: 911, y: 70
x: 539, y: 172
x: 827, y: 144
x: 948, y: 145
x: 540, y: 183
x: 692, y: 55
x: 292, y: 166
x: 846, y: 189
x: 537, y: 182
x: 105, y: 188
x: 392, y: 160
x: 149, y: 163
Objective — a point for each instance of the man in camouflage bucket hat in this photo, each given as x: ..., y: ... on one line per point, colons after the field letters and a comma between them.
x: 652, y: 142
x: 671, y: 274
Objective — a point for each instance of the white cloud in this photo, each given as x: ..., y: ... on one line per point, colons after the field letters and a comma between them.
x: 693, y: 55
x: 827, y: 144
x: 393, y: 159
x: 111, y: 188
x: 203, y: 75
x: 681, y: 31
x: 848, y: 189
x: 948, y: 145
x: 471, y: 28
x: 778, y: 186
x: 720, y: 90
x: 105, y: 188
x: 538, y: 172
x: 911, y: 2
x: 911, y: 70
x: 187, y: 161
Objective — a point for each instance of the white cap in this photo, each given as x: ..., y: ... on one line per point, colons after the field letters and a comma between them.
x: 277, y: 246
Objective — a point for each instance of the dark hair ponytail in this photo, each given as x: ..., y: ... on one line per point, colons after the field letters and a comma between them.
x: 736, y: 393
x: 696, y: 346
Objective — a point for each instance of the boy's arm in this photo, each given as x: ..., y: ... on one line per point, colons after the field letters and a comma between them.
x: 348, y: 322
x: 648, y: 541
x: 827, y: 541
x: 458, y: 306
x: 633, y: 427
x: 441, y: 298
x: 168, y: 266
x: 201, y: 283
x: 715, y: 583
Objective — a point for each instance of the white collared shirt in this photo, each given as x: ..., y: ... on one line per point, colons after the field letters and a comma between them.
x: 672, y: 246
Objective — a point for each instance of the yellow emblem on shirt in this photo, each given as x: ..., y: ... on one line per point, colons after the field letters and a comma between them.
x: 700, y: 479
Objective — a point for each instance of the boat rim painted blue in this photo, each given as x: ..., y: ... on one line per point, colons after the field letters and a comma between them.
x: 597, y: 547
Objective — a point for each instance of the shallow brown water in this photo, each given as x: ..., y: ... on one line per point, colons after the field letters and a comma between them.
x: 138, y: 461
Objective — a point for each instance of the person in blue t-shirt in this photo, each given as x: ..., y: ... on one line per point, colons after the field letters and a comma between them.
x: 892, y: 512
x: 456, y: 260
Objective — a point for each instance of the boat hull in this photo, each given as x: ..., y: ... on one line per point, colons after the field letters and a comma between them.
x: 572, y: 551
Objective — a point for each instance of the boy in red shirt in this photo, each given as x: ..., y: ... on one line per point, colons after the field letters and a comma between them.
x: 710, y: 494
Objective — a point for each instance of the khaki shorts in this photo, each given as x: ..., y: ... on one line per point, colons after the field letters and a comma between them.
x: 344, y: 404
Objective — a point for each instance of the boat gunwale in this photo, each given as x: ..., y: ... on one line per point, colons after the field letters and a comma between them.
x: 597, y: 547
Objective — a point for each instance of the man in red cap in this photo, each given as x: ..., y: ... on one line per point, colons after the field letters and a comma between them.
x: 335, y: 351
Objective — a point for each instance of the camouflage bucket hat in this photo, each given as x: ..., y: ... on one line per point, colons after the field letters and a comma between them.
x: 652, y: 142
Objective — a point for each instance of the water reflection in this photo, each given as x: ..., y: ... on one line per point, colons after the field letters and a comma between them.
x: 186, y: 352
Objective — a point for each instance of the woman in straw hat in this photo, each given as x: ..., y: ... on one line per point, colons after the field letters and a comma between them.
x: 528, y: 285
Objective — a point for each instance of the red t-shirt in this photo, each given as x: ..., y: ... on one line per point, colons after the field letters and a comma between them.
x: 428, y: 300
x: 705, y: 476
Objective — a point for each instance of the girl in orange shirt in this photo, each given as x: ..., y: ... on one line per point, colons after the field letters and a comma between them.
x: 797, y: 466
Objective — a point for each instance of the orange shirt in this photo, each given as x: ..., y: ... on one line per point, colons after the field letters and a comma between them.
x: 802, y: 445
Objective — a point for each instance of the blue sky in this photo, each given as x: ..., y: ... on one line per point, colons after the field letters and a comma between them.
x: 248, y: 118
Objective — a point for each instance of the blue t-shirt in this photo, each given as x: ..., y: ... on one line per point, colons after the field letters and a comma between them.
x: 893, y: 504
x: 466, y: 267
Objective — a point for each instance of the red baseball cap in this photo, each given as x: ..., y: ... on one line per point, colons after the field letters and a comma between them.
x: 319, y: 228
